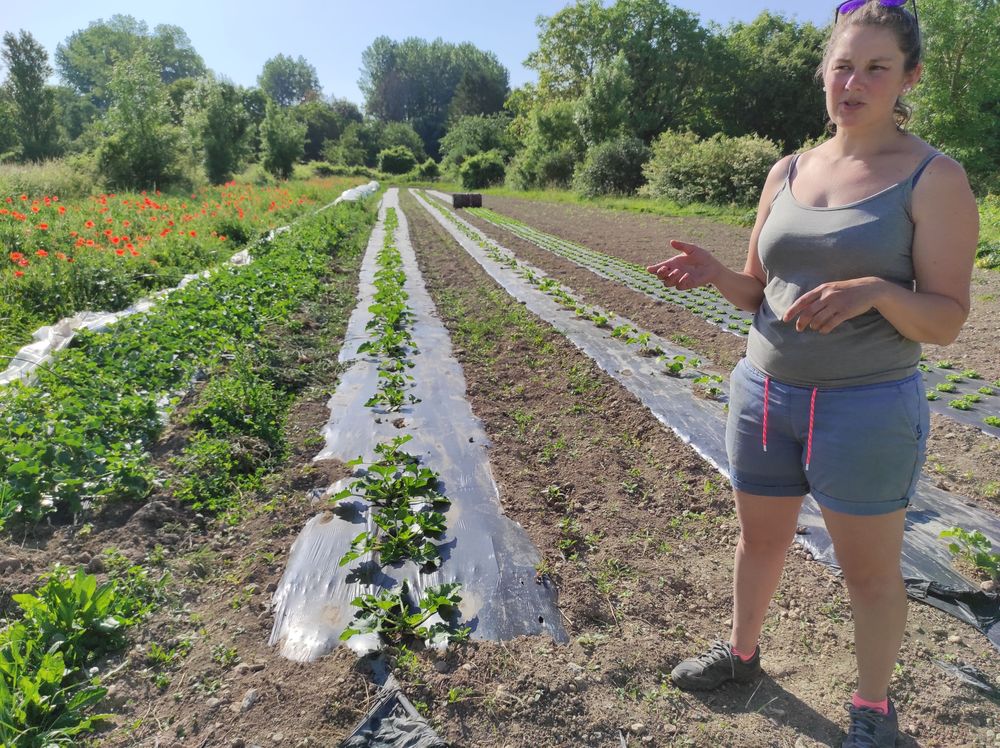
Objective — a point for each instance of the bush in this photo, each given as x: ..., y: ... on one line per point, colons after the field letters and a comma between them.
x: 539, y: 170
x: 613, y: 167
x: 396, y: 160
x: 429, y: 169
x: 326, y: 169
x: 719, y: 170
x: 283, y: 141
x: 482, y: 170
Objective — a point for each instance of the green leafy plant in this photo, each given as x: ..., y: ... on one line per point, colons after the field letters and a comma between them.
x: 391, y: 615
x: 992, y: 421
x: 974, y: 548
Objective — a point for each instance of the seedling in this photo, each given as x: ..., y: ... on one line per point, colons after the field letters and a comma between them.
x: 973, y: 548
x: 992, y: 421
x: 946, y: 387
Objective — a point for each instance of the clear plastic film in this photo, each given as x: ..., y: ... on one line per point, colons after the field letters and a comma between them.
x: 488, y: 554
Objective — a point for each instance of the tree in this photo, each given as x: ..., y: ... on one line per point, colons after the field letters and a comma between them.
x: 416, y: 81
x: 957, y: 102
x: 141, y: 148
x: 219, y: 127
x: 552, y: 147
x: 474, y: 134
x: 665, y: 61
x: 287, y: 81
x: 767, y: 84
x: 34, y: 103
x: 282, y: 141
x: 325, y: 121
x: 86, y: 59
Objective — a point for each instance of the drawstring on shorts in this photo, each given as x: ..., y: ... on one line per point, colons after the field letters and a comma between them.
x: 812, y: 420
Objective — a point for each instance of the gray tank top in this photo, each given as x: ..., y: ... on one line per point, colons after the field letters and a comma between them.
x: 802, y: 247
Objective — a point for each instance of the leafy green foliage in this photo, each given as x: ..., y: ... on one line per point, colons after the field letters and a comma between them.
x: 426, y: 83
x: 474, y: 134
x: 552, y: 145
x: 482, y: 170
x: 974, y: 548
x: 390, y: 615
x: 142, y: 148
x: 396, y: 160
x: 613, y: 167
x: 282, y: 141
x: 288, y: 81
x: 35, y: 122
x: 220, y: 127
x: 97, y: 404
x: 717, y: 170
x: 403, y: 495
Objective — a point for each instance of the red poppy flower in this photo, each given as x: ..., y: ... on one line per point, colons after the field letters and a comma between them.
x: 41, y: 253
x: 88, y: 225
x: 16, y: 256
x: 119, y: 252
x: 43, y: 227
x: 18, y: 274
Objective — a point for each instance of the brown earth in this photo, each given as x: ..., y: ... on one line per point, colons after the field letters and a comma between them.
x: 960, y: 458
x: 636, y: 532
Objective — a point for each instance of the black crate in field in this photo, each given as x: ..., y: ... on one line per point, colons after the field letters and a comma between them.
x: 466, y: 200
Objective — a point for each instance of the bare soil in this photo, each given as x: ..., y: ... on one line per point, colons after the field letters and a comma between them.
x: 636, y: 532
x: 960, y: 458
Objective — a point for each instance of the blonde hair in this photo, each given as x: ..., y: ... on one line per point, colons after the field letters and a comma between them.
x: 904, y: 27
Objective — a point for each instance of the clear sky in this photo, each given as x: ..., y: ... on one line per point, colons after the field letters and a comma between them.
x: 236, y: 38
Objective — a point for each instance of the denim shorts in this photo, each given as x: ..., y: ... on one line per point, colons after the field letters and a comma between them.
x: 857, y: 450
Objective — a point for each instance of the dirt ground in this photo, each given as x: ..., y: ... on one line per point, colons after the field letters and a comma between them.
x: 634, y: 529
x: 960, y: 458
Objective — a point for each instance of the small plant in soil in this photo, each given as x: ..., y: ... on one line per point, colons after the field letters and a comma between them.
x: 674, y: 366
x: 946, y: 387
x: 975, y: 549
x: 992, y: 421
x: 960, y: 404
x: 398, y: 622
x: 932, y: 395
x: 945, y: 365
x: 986, y: 390
x: 971, y: 374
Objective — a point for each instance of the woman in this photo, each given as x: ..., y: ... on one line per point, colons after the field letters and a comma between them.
x: 862, y: 249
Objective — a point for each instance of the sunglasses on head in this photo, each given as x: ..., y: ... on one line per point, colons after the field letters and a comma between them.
x: 849, y: 6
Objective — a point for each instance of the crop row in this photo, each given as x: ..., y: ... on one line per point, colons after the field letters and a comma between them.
x: 103, y: 252
x: 674, y: 365
x: 99, y: 405
x: 708, y: 304
x: 704, y: 302
x: 403, y: 495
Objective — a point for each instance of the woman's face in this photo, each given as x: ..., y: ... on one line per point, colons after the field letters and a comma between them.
x: 863, y: 77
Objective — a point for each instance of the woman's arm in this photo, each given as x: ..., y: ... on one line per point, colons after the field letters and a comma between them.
x: 696, y: 266
x: 946, y: 230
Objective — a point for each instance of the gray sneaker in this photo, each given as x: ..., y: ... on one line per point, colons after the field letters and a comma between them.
x: 870, y: 728
x: 713, y: 668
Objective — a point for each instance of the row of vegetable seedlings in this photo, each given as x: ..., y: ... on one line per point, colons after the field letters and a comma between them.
x: 934, y: 511
x: 416, y: 546
x: 964, y: 395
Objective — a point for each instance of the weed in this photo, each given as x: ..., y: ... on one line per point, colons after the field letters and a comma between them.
x: 225, y: 656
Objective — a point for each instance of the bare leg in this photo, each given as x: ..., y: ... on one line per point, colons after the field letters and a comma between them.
x: 767, y: 526
x: 868, y: 551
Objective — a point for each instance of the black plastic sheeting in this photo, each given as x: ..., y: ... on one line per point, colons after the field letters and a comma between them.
x: 489, y: 554
x: 701, y: 423
x: 393, y: 723
x: 712, y: 305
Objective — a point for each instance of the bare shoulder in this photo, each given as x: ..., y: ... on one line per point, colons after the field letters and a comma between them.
x: 776, y: 178
x: 942, y: 190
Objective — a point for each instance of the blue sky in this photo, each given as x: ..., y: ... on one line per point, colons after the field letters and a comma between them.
x: 236, y: 38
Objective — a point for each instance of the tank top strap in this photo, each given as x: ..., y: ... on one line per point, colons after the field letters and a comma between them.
x: 911, y: 182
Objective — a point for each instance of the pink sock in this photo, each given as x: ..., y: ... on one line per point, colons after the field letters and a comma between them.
x: 880, y: 706
x: 741, y: 655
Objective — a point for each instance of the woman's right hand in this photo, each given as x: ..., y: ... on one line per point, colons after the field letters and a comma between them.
x: 692, y: 268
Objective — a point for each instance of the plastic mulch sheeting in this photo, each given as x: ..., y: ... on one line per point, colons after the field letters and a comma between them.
x: 926, y: 561
x: 490, y: 555
x: 393, y: 723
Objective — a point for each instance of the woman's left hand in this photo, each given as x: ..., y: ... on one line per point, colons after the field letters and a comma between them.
x: 829, y: 304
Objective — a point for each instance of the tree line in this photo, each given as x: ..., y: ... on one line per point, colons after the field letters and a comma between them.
x: 638, y: 94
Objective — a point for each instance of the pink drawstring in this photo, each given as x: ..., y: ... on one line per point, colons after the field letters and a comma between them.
x: 767, y: 388
x: 812, y: 420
